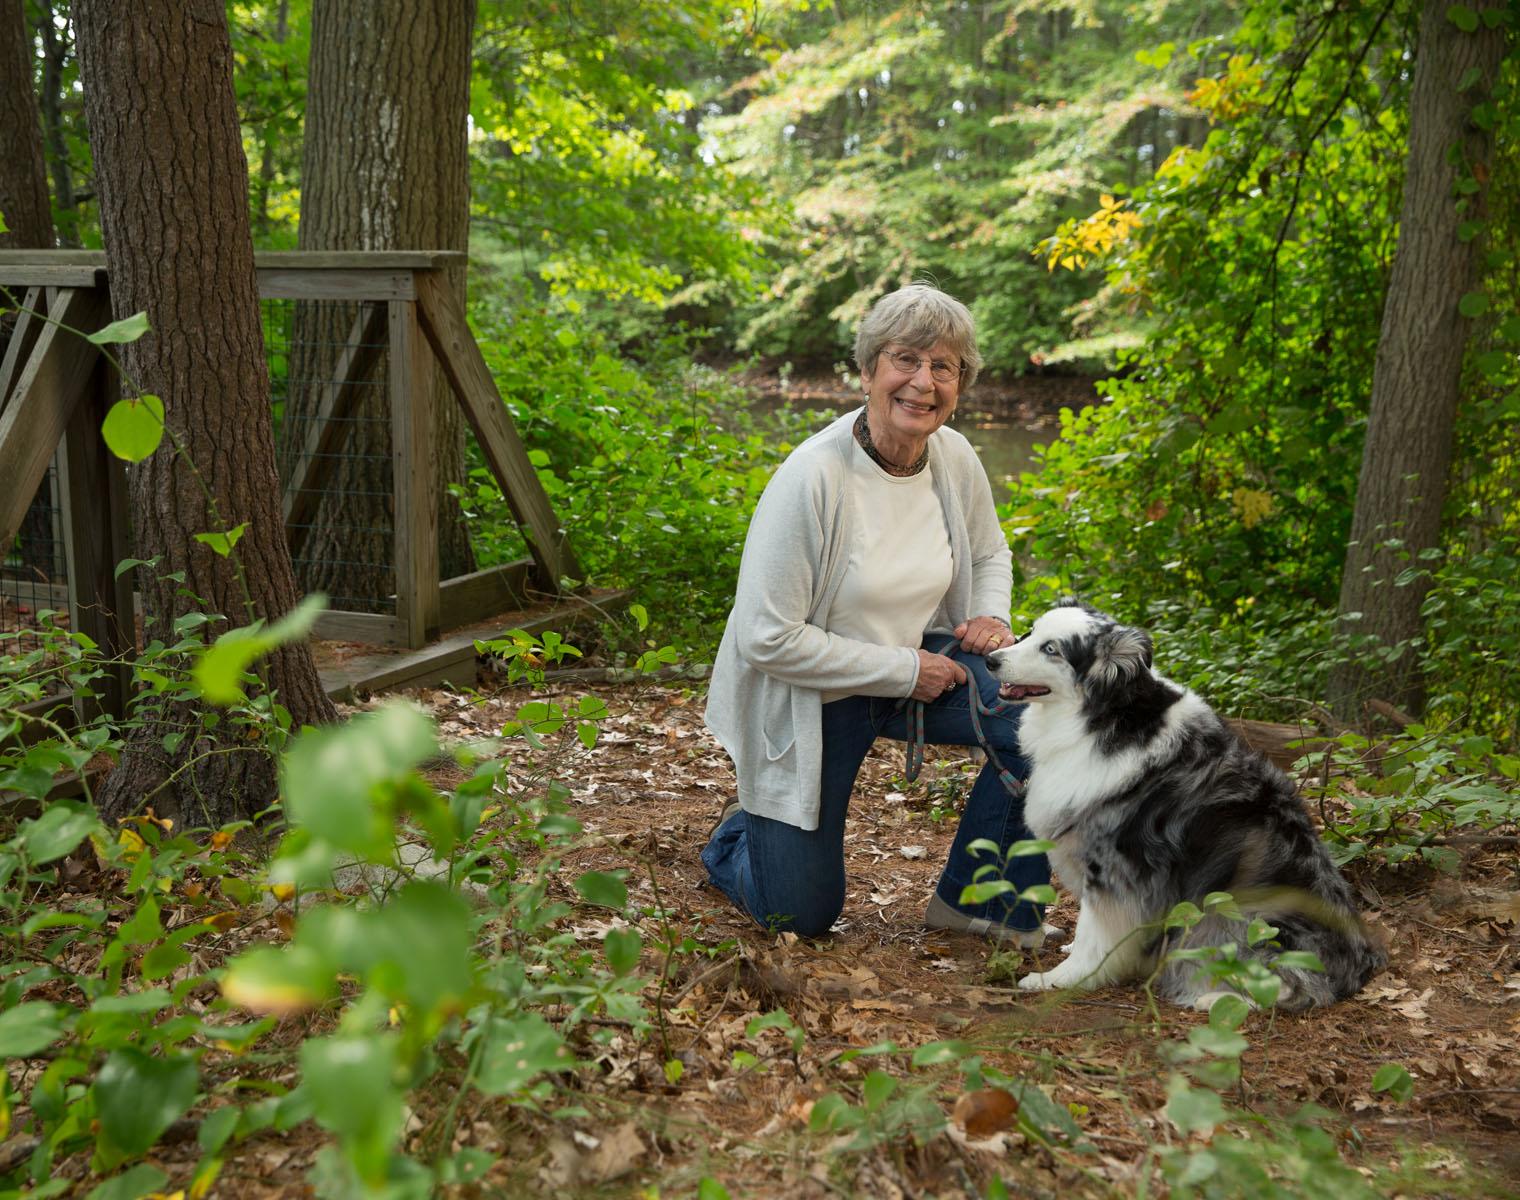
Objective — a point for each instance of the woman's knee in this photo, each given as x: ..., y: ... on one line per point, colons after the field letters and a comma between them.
x: 807, y: 915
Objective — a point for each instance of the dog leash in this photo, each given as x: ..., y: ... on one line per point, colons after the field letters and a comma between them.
x: 915, y: 748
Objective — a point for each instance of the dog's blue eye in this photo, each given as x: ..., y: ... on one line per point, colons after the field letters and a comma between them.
x: 1050, y: 649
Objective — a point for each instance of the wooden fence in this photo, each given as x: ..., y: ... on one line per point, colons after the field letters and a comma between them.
x: 55, y: 389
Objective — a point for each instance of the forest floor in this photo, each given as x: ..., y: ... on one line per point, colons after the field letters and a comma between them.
x: 1447, y: 1008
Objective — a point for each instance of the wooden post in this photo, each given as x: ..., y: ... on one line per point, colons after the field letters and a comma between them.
x: 444, y: 323
x: 23, y: 335
x: 49, y: 387
x: 97, y: 536
x: 416, y: 511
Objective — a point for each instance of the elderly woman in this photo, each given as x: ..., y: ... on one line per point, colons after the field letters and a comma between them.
x: 874, y: 572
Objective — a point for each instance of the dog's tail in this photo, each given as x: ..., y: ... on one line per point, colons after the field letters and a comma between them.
x: 1349, y: 951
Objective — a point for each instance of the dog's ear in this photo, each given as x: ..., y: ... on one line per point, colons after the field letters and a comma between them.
x: 1122, y: 653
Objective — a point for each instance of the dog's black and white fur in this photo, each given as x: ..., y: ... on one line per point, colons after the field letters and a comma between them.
x: 1151, y: 800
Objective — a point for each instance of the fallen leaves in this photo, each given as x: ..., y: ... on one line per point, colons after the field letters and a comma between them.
x: 985, y: 1112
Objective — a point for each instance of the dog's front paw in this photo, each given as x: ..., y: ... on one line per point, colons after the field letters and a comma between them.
x: 1062, y: 976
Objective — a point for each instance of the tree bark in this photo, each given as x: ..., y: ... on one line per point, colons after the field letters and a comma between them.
x: 385, y: 167
x: 29, y: 221
x: 55, y: 53
x: 23, y: 170
x: 1418, y: 370
x: 173, y: 186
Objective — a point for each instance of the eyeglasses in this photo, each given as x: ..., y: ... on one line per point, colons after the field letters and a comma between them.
x: 939, y: 370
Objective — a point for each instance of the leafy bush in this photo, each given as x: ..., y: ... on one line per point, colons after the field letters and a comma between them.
x: 654, y: 469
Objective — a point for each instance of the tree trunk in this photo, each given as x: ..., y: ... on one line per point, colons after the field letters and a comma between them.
x: 29, y: 221
x: 266, y: 156
x: 55, y: 53
x: 1418, y: 370
x: 173, y: 188
x: 385, y: 167
x: 23, y: 171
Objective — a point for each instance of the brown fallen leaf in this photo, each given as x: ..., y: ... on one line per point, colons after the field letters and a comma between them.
x: 985, y: 1112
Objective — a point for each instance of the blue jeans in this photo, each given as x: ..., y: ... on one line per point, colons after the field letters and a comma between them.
x: 793, y: 879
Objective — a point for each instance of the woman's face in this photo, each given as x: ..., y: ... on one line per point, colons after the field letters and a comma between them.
x: 907, y: 406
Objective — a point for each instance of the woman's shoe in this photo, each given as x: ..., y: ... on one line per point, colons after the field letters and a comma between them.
x: 942, y: 916
x: 729, y: 810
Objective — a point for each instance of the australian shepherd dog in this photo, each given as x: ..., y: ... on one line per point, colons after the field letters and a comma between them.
x: 1151, y: 800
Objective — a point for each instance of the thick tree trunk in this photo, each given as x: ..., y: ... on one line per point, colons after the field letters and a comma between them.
x: 1417, y: 375
x: 173, y: 187
x: 385, y: 167
x: 23, y: 171
x: 29, y: 221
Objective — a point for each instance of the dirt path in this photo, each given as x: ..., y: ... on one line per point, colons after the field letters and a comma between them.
x: 739, y: 1106
x: 1448, y: 1007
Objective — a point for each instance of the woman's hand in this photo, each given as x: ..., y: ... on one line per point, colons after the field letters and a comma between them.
x: 982, y: 635
x: 936, y: 676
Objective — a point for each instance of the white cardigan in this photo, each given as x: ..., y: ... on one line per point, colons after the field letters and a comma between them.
x: 776, y: 656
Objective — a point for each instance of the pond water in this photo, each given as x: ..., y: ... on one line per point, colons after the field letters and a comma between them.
x: 1005, y: 422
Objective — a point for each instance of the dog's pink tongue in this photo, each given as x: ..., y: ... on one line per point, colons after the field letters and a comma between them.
x: 1021, y: 691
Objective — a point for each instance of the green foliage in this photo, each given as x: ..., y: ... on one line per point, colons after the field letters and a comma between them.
x: 1210, y: 496
x: 653, y: 470
x: 1398, y: 799
x: 427, y: 984
x: 947, y: 141
x: 588, y: 174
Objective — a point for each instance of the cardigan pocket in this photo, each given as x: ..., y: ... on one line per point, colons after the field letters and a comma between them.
x: 778, y: 746
x: 778, y: 725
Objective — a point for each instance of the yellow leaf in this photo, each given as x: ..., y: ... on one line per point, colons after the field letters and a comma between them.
x: 1253, y: 506
x: 283, y: 892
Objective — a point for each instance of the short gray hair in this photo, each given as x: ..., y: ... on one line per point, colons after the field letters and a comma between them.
x: 918, y: 316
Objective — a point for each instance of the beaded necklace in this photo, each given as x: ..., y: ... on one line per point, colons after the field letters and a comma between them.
x: 863, y: 438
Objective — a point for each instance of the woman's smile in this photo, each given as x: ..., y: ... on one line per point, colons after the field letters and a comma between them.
x: 905, y: 407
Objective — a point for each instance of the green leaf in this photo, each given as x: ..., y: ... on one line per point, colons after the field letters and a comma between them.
x: 219, y: 673
x: 138, y: 1096
x: 622, y: 948
x: 142, y: 1180
x: 351, y: 1083
x: 1393, y: 1079
x: 117, y: 333
x: 278, y: 979
x: 134, y: 427
x: 1474, y: 304
x: 222, y: 543
x: 1469, y: 77
x: 1302, y: 960
x: 1217, y: 1041
x: 980, y: 893
x: 56, y: 832
x: 30, y: 1027
x: 709, y: 1188
x: 217, y: 1126
x: 415, y: 949
x: 602, y: 888
x: 149, y: 1000
x: 1193, y: 1110
x: 933, y: 1054
x: 1462, y: 17
x: 335, y: 779
x: 1229, y: 1012
x: 876, y: 1089
x: 517, y: 1052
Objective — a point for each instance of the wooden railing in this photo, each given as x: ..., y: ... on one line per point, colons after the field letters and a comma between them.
x: 55, y: 389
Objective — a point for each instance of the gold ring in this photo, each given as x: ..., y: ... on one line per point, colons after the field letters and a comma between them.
x: 997, y: 639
